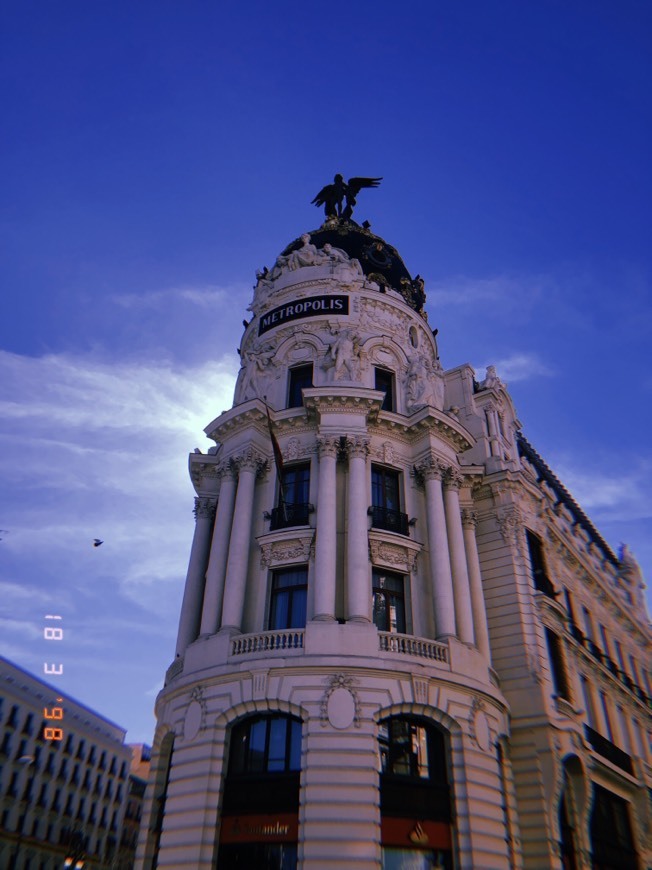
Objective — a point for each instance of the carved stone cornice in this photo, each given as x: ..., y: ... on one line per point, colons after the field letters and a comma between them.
x: 357, y: 446
x: 204, y: 508
x: 328, y: 445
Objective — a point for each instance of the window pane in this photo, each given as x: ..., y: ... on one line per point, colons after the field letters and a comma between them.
x: 300, y: 378
x: 257, y: 735
x: 280, y: 606
x: 298, y: 609
x: 277, y: 732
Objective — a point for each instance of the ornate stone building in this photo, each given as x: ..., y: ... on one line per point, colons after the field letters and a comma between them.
x: 402, y: 644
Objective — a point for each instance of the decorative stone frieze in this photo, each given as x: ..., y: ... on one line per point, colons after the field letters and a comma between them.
x: 394, y: 555
x: 288, y: 550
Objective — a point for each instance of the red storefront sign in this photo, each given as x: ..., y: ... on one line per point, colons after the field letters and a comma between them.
x: 415, y: 833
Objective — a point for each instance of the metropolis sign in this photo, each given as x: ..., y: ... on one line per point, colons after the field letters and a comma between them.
x: 303, y: 308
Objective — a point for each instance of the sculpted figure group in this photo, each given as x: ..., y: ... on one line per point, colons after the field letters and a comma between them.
x: 309, y: 255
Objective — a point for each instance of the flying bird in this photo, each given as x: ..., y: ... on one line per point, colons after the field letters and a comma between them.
x: 333, y: 195
x: 97, y: 542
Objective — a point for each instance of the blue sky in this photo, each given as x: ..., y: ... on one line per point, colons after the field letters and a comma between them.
x: 156, y: 153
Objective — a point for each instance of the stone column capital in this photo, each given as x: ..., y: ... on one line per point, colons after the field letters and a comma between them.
x: 250, y: 460
x: 453, y: 479
x: 357, y: 446
x: 469, y: 518
x: 328, y: 445
x: 226, y: 470
x: 204, y: 508
x: 430, y: 468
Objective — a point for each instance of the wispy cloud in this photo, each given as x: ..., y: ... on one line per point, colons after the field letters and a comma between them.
x: 207, y: 296
x: 519, y: 367
x: 505, y: 291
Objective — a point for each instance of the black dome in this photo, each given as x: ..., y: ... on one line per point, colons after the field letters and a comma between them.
x: 380, y: 262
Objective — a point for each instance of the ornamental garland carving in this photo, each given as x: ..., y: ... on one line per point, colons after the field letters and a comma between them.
x: 384, y: 553
x: 286, y: 551
x: 510, y: 525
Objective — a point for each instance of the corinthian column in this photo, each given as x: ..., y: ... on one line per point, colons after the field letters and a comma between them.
x: 194, y: 589
x: 358, y: 592
x: 461, y: 586
x: 212, y: 609
x: 248, y: 464
x: 469, y: 520
x: 440, y: 568
x: 325, y: 547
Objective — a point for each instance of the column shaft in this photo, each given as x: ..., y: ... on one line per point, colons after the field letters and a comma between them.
x: 214, y: 591
x: 357, y: 551
x: 194, y: 589
x: 326, y: 543
x: 238, y: 561
x: 461, y: 586
x: 440, y: 568
x: 475, y: 581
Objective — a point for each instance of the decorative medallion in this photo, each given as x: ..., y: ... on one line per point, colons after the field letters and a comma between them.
x: 340, y: 706
x: 195, y: 717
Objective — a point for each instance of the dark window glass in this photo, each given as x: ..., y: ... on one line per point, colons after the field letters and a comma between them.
x: 612, y: 846
x: 288, y: 601
x: 557, y: 669
x: 265, y: 744
x: 384, y: 382
x: 385, y: 488
x: 262, y: 856
x: 294, y: 489
x: 388, y: 601
x: 300, y: 378
x: 539, y: 574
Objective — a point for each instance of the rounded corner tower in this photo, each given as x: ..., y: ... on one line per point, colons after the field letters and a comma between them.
x: 332, y: 702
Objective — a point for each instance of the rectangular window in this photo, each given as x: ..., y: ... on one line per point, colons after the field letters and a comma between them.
x: 388, y: 601
x: 288, y: 600
x: 539, y: 574
x: 300, y: 378
x: 294, y: 491
x: 384, y: 383
x: 385, y: 501
x: 557, y: 669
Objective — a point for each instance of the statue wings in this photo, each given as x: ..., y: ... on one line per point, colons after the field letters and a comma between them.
x: 333, y: 195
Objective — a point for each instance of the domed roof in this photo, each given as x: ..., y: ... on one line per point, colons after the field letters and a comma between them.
x: 380, y: 261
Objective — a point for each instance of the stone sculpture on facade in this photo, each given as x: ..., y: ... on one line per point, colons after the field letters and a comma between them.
x: 256, y: 371
x: 344, y: 354
x: 332, y: 196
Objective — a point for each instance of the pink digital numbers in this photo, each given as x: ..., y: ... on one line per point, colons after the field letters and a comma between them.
x: 54, y: 713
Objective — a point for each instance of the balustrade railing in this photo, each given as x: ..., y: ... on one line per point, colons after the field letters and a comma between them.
x: 267, y: 641
x: 413, y: 646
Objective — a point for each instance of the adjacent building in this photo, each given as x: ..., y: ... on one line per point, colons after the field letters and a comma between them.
x: 65, y: 780
x: 402, y: 644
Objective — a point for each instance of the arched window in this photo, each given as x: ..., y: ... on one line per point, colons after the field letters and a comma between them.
x: 415, y: 798
x: 260, y: 806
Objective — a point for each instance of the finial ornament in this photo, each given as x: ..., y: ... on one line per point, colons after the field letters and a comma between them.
x: 334, y: 196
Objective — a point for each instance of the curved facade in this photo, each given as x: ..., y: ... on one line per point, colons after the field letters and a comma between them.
x: 360, y: 554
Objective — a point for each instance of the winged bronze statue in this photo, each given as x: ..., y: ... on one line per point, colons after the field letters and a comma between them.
x: 339, y: 198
